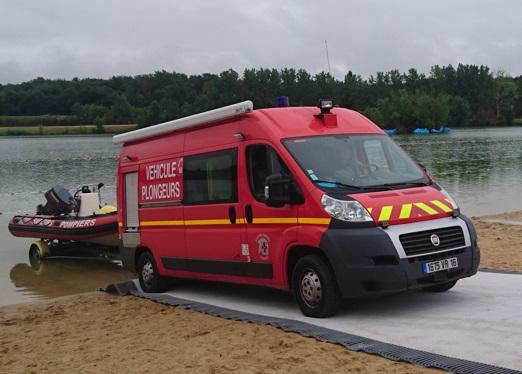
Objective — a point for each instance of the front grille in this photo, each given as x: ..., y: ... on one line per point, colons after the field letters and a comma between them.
x: 436, y: 256
x: 418, y: 243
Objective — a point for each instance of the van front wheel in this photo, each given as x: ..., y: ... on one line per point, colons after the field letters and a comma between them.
x: 315, y: 288
x: 148, y: 274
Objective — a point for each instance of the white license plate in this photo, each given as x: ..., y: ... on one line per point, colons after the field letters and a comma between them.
x: 433, y: 267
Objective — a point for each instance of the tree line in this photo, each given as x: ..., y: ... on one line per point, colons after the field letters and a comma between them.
x: 466, y: 95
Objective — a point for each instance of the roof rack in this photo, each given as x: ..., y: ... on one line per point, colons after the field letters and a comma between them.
x: 186, y: 122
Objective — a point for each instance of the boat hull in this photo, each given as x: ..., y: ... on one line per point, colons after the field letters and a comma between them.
x: 97, y: 229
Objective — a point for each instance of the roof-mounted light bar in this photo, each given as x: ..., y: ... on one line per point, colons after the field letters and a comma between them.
x: 328, y: 118
x: 325, y: 105
x: 186, y: 122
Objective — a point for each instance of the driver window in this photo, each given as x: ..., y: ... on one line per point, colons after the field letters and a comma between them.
x: 398, y: 163
x: 262, y: 161
x: 375, y: 154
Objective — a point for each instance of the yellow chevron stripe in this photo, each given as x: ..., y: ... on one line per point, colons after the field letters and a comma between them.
x: 405, y: 211
x: 386, y: 212
x: 426, y: 208
x: 370, y: 210
x: 439, y: 204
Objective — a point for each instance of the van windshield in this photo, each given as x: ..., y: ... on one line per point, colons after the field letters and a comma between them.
x: 356, y: 162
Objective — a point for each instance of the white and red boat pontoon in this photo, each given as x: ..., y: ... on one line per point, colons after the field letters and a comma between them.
x: 69, y: 219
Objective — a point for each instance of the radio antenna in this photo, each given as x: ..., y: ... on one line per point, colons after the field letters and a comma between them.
x: 327, y: 56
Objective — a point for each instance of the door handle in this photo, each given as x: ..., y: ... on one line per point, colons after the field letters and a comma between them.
x: 249, y: 214
x: 232, y: 214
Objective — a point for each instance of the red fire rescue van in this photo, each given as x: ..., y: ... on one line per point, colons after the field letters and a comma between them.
x: 319, y: 201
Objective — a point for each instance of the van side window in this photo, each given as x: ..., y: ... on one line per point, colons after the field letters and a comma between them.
x: 263, y: 161
x: 210, y: 178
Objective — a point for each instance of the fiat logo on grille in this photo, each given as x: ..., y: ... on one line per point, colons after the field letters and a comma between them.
x: 435, y: 240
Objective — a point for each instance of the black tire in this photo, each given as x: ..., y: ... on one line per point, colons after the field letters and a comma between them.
x: 315, y: 288
x: 35, y: 257
x: 443, y: 287
x: 148, y: 274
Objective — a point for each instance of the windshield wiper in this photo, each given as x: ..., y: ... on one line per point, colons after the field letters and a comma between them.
x: 340, y: 184
x: 354, y: 188
x: 403, y: 184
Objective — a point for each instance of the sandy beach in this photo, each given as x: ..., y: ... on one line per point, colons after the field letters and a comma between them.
x: 500, y: 241
x: 96, y: 332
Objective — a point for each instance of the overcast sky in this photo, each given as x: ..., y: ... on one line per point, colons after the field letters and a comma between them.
x: 102, y: 38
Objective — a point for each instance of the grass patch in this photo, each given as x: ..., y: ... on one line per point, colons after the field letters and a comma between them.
x: 16, y: 132
x: 44, y: 120
x: 63, y: 130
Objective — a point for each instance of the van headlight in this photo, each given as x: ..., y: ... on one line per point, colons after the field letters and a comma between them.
x: 453, y: 203
x: 345, y: 210
x: 456, y: 209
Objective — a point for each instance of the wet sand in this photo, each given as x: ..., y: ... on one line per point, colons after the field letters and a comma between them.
x: 97, y: 332
x: 509, y: 216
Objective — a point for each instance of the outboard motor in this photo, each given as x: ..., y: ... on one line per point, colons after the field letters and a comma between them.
x: 59, y: 201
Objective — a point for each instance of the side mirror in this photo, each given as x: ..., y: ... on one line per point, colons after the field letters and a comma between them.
x: 281, y: 190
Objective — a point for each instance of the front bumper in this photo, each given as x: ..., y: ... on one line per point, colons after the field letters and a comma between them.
x: 366, y: 262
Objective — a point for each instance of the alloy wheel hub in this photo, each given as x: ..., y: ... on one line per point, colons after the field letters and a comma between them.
x: 147, y: 273
x: 311, y: 290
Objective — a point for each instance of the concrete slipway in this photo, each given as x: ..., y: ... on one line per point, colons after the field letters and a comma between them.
x: 479, y: 320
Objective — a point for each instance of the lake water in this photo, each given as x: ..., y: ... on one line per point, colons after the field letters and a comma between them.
x: 29, y: 166
x: 481, y: 168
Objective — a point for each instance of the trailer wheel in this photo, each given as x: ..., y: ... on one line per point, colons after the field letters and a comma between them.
x: 37, y: 252
x: 35, y: 257
x: 315, y: 288
x: 440, y: 287
x: 148, y: 274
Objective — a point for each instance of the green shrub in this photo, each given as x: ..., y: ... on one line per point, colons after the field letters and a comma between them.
x: 45, y: 120
x: 16, y: 132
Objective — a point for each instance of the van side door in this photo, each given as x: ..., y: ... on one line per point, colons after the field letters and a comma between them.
x: 210, y: 203
x: 269, y: 230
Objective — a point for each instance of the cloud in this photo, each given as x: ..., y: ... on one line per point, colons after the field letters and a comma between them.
x: 66, y: 39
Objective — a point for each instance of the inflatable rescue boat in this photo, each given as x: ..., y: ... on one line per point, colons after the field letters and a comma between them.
x: 67, y: 218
